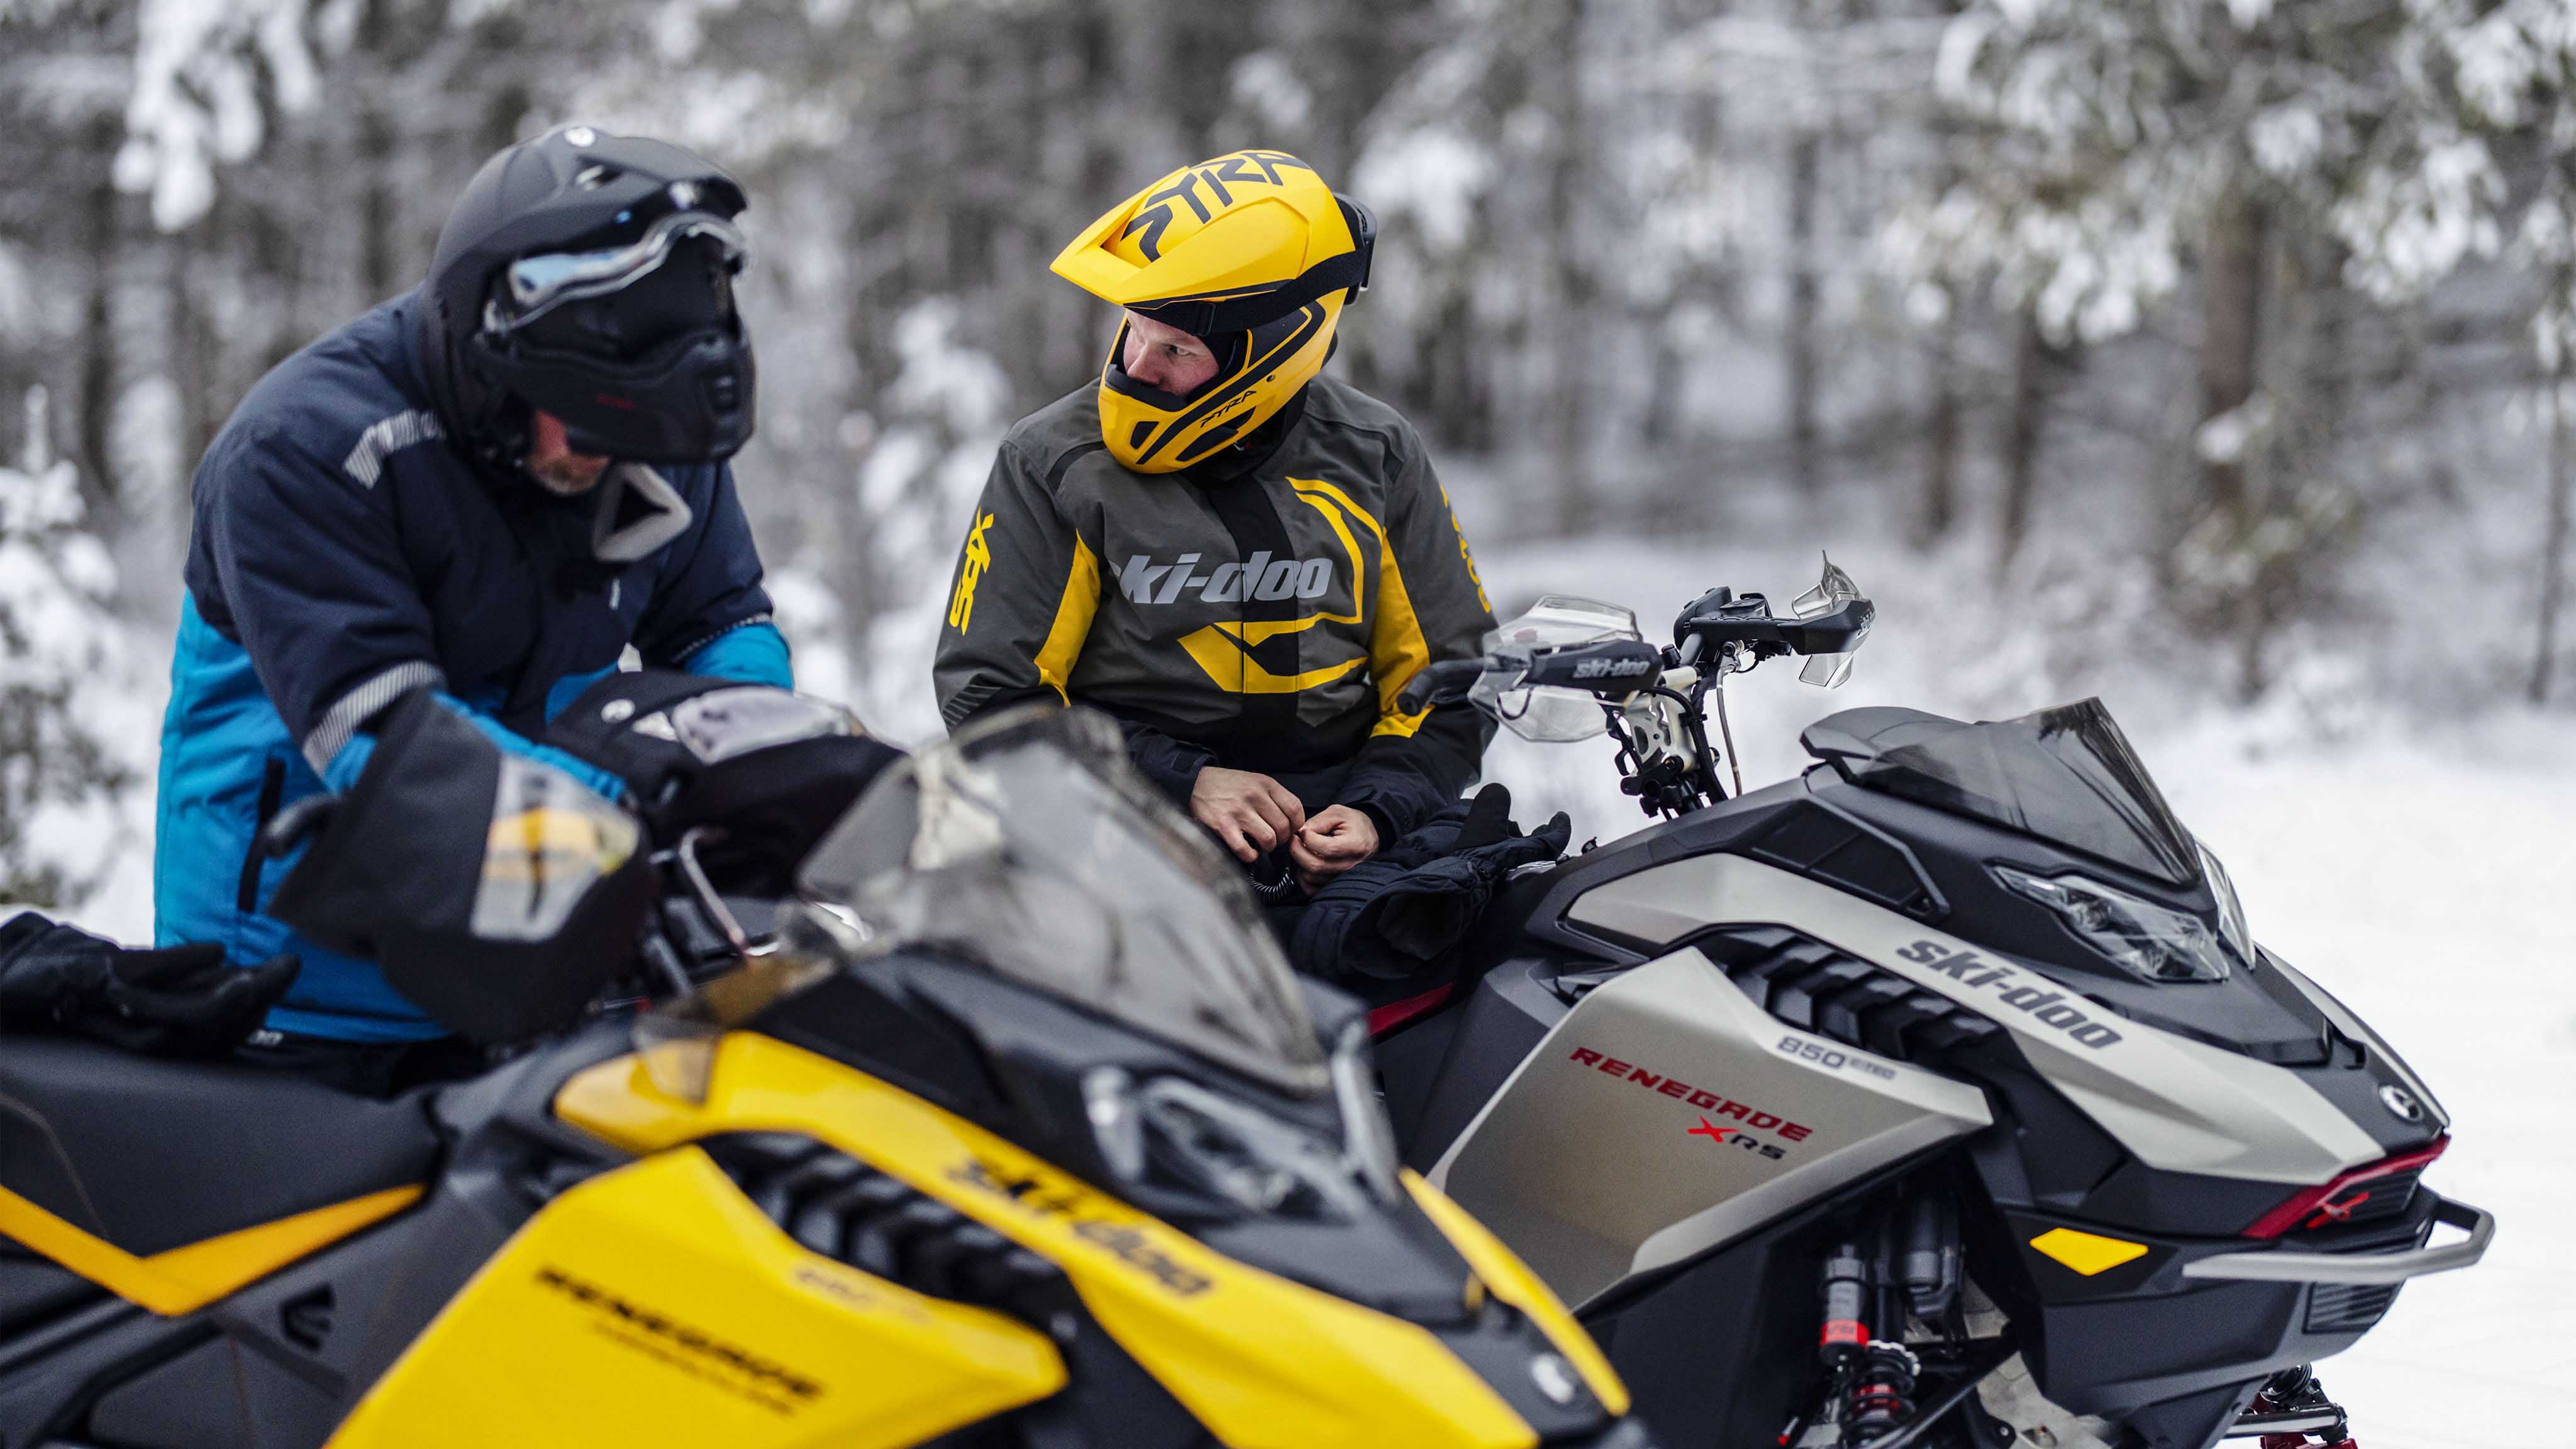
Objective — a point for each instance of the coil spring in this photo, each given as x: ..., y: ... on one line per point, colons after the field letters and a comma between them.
x: 1883, y: 1390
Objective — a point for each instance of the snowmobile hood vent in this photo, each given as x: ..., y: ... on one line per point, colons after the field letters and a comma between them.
x: 2065, y: 775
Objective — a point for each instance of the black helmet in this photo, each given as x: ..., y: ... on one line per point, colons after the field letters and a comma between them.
x: 591, y: 276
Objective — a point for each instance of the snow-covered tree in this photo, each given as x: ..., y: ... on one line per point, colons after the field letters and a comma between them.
x: 75, y: 713
x: 2280, y: 158
x: 2516, y: 69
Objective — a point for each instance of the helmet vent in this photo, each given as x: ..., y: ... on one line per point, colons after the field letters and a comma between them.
x: 591, y: 178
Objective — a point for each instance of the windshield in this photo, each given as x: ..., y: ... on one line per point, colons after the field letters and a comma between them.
x: 2066, y: 775
x: 1029, y: 846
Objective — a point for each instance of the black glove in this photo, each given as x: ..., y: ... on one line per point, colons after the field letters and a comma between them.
x: 772, y: 771
x: 1431, y: 909
x: 180, y: 1001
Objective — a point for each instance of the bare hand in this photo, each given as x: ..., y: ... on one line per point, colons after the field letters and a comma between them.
x: 1250, y: 812
x: 1335, y: 840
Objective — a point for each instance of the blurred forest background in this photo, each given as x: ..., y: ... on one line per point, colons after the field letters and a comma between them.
x: 2218, y: 342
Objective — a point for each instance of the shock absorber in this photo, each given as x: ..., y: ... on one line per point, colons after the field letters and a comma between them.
x: 1843, y: 1288
x: 1846, y: 1297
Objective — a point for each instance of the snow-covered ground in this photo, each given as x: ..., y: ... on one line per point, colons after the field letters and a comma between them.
x: 2427, y: 885
x: 2421, y: 873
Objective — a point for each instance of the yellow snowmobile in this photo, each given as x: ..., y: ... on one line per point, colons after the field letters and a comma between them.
x: 1015, y: 1130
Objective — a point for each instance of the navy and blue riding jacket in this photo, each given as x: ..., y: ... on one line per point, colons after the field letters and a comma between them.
x: 344, y: 553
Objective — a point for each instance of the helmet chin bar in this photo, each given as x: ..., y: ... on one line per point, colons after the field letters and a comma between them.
x: 1153, y: 431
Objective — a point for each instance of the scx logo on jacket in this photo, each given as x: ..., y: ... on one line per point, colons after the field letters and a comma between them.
x: 970, y: 572
x: 1144, y: 581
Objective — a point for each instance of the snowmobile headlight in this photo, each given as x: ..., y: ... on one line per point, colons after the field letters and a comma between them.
x: 1237, y: 1152
x: 2149, y: 941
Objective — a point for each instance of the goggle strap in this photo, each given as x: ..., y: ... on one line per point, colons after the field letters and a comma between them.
x: 585, y: 275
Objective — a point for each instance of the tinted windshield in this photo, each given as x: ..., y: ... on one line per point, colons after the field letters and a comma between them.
x: 1030, y: 846
x: 2066, y: 775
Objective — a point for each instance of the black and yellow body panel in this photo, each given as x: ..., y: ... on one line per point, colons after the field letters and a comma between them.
x: 1257, y: 1359
x: 173, y: 1184
x: 183, y: 1279
x: 655, y: 1305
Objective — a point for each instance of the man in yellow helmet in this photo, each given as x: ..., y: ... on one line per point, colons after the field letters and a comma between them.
x: 1241, y: 560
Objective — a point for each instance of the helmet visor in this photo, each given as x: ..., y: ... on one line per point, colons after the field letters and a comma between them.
x: 539, y: 284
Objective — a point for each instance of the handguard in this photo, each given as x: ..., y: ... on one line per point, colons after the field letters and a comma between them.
x: 496, y: 891
x: 771, y: 770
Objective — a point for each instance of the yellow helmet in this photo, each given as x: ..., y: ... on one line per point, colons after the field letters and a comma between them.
x: 1250, y: 252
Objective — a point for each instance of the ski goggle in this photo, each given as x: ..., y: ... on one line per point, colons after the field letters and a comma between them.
x: 540, y: 284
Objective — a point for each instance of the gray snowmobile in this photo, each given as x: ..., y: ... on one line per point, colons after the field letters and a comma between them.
x: 1938, y: 1096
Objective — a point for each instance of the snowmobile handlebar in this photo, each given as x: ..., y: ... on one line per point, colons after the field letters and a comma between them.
x: 1721, y: 617
x: 1614, y: 668
x: 1443, y: 683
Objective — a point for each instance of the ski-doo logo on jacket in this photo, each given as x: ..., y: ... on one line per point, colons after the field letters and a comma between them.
x: 1144, y: 581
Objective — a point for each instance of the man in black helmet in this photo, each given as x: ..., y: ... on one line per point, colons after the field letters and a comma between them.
x: 489, y: 488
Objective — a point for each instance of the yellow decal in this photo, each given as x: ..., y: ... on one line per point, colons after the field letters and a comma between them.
x: 2087, y: 1253
x: 979, y: 556
x: 546, y: 844
x: 656, y: 1305
x: 1397, y: 649
x: 1072, y: 625
x: 1262, y: 1362
x: 1224, y: 649
x: 1464, y: 556
x: 1220, y: 649
x: 1499, y: 1269
x: 184, y: 1279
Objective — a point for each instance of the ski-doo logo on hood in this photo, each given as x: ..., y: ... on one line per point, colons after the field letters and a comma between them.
x: 1144, y: 581
x: 2003, y: 983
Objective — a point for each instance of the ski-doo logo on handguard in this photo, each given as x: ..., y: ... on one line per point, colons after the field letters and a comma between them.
x: 2048, y: 1008
x: 1611, y: 668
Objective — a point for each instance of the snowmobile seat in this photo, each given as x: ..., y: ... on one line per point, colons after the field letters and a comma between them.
x: 150, y: 1154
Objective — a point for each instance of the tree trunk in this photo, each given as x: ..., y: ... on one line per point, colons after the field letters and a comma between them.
x: 2022, y: 428
x: 95, y: 426
x: 1570, y: 394
x: 2553, y: 539
x: 1806, y: 467
x: 2231, y: 300
x: 192, y: 357
x: 1940, y: 503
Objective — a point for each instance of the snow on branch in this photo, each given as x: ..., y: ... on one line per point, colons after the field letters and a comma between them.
x: 2100, y: 140
x: 204, y: 72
